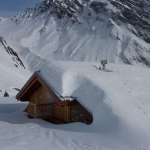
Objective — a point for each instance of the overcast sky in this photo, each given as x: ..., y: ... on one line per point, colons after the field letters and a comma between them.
x: 10, y: 7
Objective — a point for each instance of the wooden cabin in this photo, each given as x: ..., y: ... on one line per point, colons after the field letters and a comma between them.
x: 45, y: 103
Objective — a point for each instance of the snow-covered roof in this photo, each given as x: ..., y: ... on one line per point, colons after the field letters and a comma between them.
x: 48, y: 84
x: 70, y: 80
x: 90, y: 85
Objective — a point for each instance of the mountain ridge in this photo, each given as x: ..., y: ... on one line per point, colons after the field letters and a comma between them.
x: 116, y: 30
x: 11, y: 52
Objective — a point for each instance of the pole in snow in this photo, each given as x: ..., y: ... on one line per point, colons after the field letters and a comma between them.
x: 104, y: 62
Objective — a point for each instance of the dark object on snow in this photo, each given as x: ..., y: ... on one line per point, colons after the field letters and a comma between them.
x: 104, y: 62
x: 17, y: 89
x: 6, y: 94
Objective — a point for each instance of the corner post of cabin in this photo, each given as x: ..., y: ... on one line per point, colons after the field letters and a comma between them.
x: 35, y: 111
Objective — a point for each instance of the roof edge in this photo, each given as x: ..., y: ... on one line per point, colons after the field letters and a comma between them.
x: 25, y: 85
x: 86, y: 113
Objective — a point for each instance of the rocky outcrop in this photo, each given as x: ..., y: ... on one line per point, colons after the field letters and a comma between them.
x: 11, y: 52
x: 134, y: 13
x: 98, y: 6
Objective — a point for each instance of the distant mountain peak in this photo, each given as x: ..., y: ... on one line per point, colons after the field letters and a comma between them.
x: 116, y: 17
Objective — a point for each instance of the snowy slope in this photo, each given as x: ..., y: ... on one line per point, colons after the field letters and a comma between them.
x: 83, y: 31
x: 118, y: 100
x: 122, y: 92
x: 12, y: 71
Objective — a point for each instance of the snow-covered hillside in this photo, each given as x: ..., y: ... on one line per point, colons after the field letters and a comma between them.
x: 118, y: 99
x: 12, y: 70
x: 83, y: 31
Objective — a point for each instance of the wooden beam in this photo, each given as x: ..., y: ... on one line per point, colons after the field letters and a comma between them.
x: 32, y: 89
x: 25, y: 86
x: 47, y: 104
x: 66, y: 103
x: 25, y: 89
x: 26, y: 96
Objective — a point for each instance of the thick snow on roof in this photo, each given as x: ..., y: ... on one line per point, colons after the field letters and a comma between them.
x: 92, y: 86
x: 73, y: 79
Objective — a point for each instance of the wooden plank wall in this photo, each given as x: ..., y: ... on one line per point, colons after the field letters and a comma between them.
x: 39, y: 96
x: 61, y: 114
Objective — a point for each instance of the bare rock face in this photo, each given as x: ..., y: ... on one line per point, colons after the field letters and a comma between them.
x: 136, y: 13
x: 11, y: 52
x: 98, y: 6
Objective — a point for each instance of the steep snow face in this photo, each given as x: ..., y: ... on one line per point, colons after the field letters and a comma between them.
x: 12, y: 70
x: 83, y: 30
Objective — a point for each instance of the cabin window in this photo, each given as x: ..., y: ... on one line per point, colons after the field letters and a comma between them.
x: 49, y: 98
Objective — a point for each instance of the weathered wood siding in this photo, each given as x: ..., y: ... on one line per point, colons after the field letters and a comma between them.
x: 61, y: 114
x: 39, y: 96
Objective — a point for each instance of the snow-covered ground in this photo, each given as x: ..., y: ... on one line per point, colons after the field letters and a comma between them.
x: 118, y: 100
